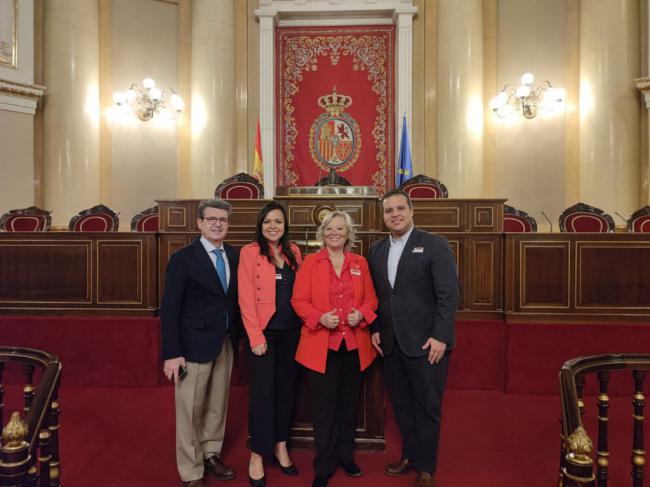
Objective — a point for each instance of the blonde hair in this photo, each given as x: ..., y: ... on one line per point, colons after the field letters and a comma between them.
x: 349, y: 228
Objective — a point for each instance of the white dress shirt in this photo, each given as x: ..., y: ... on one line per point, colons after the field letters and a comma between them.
x: 396, y: 248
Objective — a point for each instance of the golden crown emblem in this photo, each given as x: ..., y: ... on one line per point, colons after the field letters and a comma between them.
x: 334, y: 103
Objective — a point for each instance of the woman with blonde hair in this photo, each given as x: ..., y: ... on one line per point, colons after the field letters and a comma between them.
x: 336, y: 300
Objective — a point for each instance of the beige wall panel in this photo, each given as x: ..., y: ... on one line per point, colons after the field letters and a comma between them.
x: 529, y: 160
x: 144, y: 166
x: 17, y: 160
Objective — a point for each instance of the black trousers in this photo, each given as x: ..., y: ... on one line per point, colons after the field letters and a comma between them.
x: 415, y: 388
x: 335, y: 402
x: 272, y: 390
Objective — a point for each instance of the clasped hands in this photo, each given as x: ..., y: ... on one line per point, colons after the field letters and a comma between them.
x: 331, y: 319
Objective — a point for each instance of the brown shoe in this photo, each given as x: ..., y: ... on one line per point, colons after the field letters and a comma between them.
x: 193, y: 483
x: 399, y: 468
x: 425, y: 480
x: 220, y: 471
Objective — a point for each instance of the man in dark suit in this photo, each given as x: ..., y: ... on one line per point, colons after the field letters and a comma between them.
x: 200, y: 328
x: 415, y: 278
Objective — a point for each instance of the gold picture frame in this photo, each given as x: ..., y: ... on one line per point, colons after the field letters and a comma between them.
x: 8, y: 33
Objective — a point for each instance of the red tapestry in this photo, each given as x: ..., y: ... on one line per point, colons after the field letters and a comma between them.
x: 335, y: 108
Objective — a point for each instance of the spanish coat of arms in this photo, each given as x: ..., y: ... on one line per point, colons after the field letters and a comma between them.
x: 334, y: 137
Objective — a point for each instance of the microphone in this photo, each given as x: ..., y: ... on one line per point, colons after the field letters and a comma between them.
x: 307, y: 237
x: 548, y: 220
x: 621, y: 217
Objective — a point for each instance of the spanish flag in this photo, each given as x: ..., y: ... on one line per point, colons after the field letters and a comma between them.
x: 258, y: 167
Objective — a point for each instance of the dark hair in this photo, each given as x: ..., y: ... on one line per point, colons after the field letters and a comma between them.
x: 395, y: 192
x: 214, y: 203
x: 285, y: 243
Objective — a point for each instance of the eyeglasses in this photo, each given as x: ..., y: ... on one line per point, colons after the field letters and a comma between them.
x: 213, y: 220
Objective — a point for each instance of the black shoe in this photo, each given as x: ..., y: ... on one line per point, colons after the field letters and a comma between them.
x: 257, y: 482
x: 351, y: 469
x: 290, y: 470
x: 321, y: 481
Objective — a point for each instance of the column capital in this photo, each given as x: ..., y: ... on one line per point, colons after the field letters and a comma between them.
x: 643, y: 85
x: 403, y: 15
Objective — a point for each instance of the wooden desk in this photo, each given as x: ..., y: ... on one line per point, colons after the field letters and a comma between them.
x: 577, y: 276
x: 78, y: 273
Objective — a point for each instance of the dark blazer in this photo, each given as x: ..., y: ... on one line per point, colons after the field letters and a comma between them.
x: 194, y: 305
x: 424, y: 301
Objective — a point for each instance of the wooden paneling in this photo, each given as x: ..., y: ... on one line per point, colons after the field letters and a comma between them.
x: 78, y: 273
x: 61, y: 271
x: 577, y: 277
x: 613, y: 274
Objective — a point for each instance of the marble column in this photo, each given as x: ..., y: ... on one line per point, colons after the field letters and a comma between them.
x: 643, y: 84
x: 267, y: 98
x: 213, y: 95
x: 609, y: 164
x: 71, y: 110
x: 403, y: 18
x: 460, y: 97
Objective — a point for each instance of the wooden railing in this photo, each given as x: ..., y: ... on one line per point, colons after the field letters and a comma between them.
x: 576, y: 455
x: 29, y: 449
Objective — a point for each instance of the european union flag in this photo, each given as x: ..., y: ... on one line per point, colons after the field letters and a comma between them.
x: 405, y: 167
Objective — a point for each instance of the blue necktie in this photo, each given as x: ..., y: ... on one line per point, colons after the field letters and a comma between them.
x: 221, y: 272
x: 221, y: 269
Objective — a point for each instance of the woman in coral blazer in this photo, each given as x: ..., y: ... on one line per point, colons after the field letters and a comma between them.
x: 266, y: 275
x: 335, y: 298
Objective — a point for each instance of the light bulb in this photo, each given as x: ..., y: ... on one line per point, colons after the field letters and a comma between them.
x: 502, y: 98
x: 560, y: 94
x: 155, y: 94
x: 523, y: 91
x: 494, y: 103
x: 148, y: 83
x: 131, y: 95
x: 119, y: 98
x: 177, y: 102
x: 527, y: 79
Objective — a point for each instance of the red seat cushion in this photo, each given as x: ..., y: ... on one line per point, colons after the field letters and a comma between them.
x: 586, y: 222
x: 422, y: 191
x: 641, y: 224
x: 149, y: 223
x: 240, y: 191
x: 25, y: 223
x: 98, y: 222
x: 513, y: 223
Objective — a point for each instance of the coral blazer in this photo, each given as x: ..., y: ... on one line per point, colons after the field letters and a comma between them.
x: 256, y: 286
x: 311, y: 299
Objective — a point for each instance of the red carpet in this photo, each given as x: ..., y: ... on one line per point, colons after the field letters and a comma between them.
x: 124, y: 437
x: 123, y: 434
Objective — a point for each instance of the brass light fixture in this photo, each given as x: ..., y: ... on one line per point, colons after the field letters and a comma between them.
x: 148, y: 100
x: 527, y: 101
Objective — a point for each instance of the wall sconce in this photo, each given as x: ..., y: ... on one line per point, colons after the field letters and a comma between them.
x: 147, y: 100
x: 526, y: 100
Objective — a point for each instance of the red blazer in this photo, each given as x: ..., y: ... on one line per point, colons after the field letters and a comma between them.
x: 256, y: 289
x: 311, y: 299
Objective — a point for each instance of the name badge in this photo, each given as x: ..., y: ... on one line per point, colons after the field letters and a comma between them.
x: 418, y: 250
x: 278, y: 276
x: 355, y: 272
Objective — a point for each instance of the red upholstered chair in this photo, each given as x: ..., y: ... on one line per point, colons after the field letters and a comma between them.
x: 515, y: 220
x: 240, y: 187
x: 30, y: 219
x: 99, y: 218
x: 422, y: 186
x: 146, y: 220
x: 640, y: 221
x: 584, y: 218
